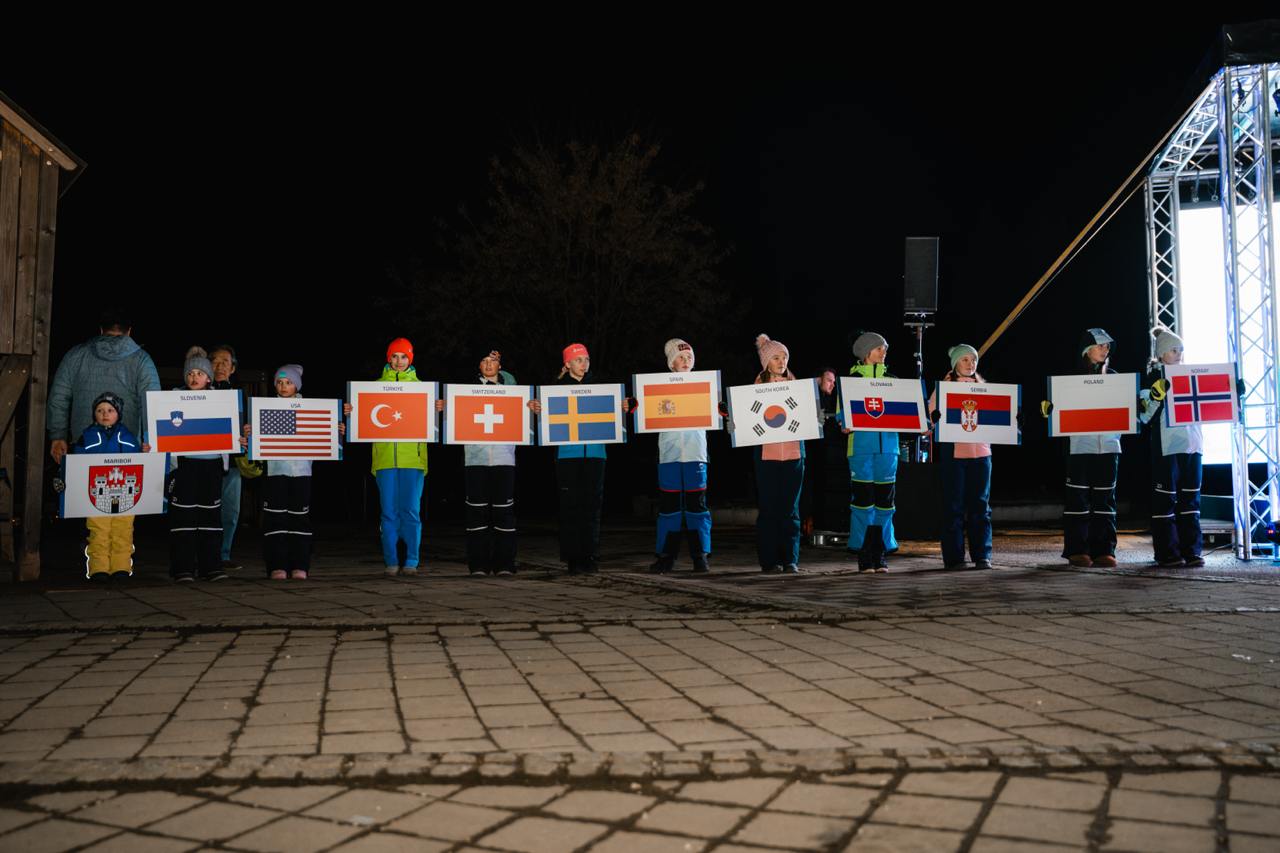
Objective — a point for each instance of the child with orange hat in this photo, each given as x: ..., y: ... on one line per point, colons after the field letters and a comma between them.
x: 400, y: 469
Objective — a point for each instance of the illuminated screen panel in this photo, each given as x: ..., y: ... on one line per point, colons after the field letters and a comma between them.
x: 1203, y: 308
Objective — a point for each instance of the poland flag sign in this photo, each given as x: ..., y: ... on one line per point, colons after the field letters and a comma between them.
x: 1093, y: 404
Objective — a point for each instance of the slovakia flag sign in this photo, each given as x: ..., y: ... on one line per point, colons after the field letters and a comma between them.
x: 979, y: 412
x: 1200, y: 394
x: 883, y: 404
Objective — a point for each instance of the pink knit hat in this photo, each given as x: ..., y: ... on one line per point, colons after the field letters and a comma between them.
x: 768, y: 348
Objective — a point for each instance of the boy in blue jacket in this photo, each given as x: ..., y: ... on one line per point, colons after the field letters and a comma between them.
x: 110, y: 549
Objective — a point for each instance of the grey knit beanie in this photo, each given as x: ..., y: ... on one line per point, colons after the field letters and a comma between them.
x: 197, y: 359
x: 292, y: 372
x: 1165, y: 341
x: 865, y: 343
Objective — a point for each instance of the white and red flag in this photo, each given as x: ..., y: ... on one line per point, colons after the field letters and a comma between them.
x: 487, y: 414
x: 1200, y: 394
x: 1093, y: 404
x: 392, y: 411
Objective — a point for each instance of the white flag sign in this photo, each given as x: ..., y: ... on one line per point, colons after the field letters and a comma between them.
x: 100, y: 485
x: 1093, y: 404
x: 773, y: 412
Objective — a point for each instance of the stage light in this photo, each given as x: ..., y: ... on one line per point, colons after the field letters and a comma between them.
x: 1202, y: 311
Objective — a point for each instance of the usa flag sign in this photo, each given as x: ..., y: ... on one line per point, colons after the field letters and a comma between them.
x: 1200, y: 394
x: 979, y: 412
x: 392, y: 411
x: 773, y: 412
x: 487, y: 414
x: 883, y: 404
x: 294, y: 428
x: 1093, y: 404
x: 185, y: 422
x: 102, y: 485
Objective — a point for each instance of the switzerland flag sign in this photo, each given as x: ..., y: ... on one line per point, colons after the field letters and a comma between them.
x: 392, y: 411
x: 487, y: 414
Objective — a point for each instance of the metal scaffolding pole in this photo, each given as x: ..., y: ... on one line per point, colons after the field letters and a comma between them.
x: 1244, y: 148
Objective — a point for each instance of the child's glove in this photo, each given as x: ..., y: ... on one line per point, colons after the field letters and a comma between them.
x: 170, y: 482
x: 1017, y: 418
x: 723, y: 408
x: 1046, y: 409
x: 1158, y: 389
x: 629, y: 405
x: 935, y: 416
x: 59, y: 485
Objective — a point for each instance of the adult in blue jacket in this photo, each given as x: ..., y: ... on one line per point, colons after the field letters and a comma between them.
x: 111, y: 361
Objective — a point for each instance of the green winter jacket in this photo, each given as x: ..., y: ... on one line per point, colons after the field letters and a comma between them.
x: 396, y: 454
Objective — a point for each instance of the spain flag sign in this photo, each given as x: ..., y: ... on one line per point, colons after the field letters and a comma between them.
x: 581, y: 414
x: 677, y: 401
x: 392, y: 411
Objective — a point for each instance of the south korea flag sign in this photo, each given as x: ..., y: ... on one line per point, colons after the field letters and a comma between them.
x: 773, y: 412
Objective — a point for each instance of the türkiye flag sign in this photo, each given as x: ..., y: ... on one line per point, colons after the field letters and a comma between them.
x: 979, y: 412
x: 580, y: 414
x: 487, y: 414
x: 883, y: 404
x: 392, y: 411
x: 1200, y: 394
x: 184, y: 422
x: 772, y: 412
x: 677, y: 401
x: 1093, y: 404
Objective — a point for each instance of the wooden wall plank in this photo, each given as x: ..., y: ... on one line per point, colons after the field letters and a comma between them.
x: 38, y: 395
x: 28, y: 213
x: 10, y: 170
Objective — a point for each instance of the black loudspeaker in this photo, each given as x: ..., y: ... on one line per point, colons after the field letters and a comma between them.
x: 920, y: 280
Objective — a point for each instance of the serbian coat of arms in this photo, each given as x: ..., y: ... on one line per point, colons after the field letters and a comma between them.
x: 969, y: 415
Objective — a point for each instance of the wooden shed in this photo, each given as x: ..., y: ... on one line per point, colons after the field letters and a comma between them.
x: 35, y: 170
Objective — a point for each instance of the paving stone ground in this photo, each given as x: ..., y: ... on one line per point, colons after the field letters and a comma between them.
x: 1029, y: 705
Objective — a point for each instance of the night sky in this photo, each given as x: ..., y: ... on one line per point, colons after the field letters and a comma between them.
x: 260, y: 198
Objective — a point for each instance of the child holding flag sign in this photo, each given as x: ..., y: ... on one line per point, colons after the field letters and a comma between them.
x: 682, y: 483
x: 1093, y: 462
x: 399, y: 468
x: 965, y: 468
x: 873, y: 470
x: 779, y: 477
x: 1176, y: 453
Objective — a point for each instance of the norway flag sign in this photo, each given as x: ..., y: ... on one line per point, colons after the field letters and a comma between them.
x: 979, y: 412
x: 883, y: 404
x: 1200, y: 394
x: 392, y: 411
x: 1093, y: 404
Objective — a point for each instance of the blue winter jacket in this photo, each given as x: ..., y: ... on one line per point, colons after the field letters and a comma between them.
x: 112, y: 363
x: 112, y: 439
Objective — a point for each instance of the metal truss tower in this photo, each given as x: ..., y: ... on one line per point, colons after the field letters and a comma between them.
x: 1228, y: 136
